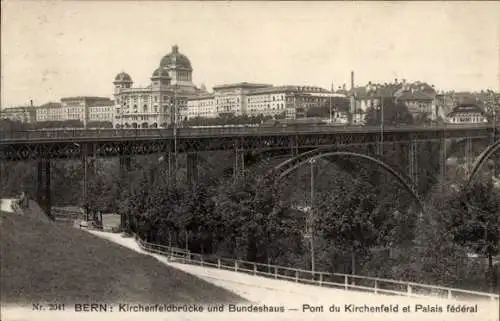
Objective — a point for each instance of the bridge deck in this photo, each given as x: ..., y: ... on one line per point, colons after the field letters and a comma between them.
x: 26, y: 145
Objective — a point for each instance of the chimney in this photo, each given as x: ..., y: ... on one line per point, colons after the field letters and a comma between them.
x: 352, y: 80
x: 31, y: 102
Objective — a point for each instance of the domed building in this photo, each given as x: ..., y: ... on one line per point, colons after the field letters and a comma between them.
x: 178, y: 67
x: 161, y: 103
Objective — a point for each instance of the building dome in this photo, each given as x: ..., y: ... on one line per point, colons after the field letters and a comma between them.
x: 160, y: 73
x: 175, y: 60
x: 123, y: 77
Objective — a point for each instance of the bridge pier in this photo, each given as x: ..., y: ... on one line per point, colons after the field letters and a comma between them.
x: 413, y: 164
x: 124, y: 168
x: 294, y: 146
x: 443, y: 146
x: 84, y: 156
x: 43, y: 193
x: 468, y: 155
x: 192, y: 168
x: 239, y: 164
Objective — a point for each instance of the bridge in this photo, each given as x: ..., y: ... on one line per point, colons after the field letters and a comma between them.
x: 299, y: 143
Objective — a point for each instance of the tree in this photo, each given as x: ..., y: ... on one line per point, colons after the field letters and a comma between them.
x: 480, y: 221
x: 394, y: 114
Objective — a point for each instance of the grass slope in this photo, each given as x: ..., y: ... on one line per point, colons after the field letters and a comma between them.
x: 49, y: 262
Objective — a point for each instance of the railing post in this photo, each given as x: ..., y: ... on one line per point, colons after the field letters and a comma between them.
x: 449, y: 295
x: 409, y: 290
x: 275, y: 272
x: 346, y: 282
x: 320, y: 279
x: 296, y: 276
x: 235, y: 265
x: 375, y: 287
x: 254, y: 269
x: 218, y: 263
x: 201, y: 260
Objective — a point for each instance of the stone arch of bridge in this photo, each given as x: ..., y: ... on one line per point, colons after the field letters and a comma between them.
x: 283, y: 169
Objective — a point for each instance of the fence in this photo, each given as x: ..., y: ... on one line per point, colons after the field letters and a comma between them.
x: 324, y: 279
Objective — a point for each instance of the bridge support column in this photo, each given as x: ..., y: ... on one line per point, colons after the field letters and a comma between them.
x: 172, y: 167
x: 413, y: 164
x: 494, y: 169
x: 442, y: 162
x: 125, y: 165
x: 43, y: 193
x: 239, y: 164
x: 294, y: 146
x: 125, y: 168
x: 85, y: 164
x: 192, y: 168
x: 468, y: 155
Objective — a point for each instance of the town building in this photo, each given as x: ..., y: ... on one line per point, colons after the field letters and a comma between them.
x: 230, y: 99
x: 419, y: 97
x: 86, y: 108
x: 51, y: 111
x: 253, y: 99
x: 466, y: 114
x: 288, y: 102
x: 202, y: 105
x: 103, y: 111
x: 160, y: 104
x: 25, y: 114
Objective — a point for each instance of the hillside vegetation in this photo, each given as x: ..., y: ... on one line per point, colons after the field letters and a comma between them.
x: 48, y: 262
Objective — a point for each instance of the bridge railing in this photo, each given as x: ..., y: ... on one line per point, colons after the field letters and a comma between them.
x: 323, y: 279
x: 34, y: 135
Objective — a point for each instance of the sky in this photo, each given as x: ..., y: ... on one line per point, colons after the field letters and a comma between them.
x: 58, y: 49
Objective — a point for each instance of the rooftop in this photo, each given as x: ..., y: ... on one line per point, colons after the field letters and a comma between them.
x: 84, y: 98
x: 51, y: 105
x: 466, y: 108
x: 17, y: 109
x: 417, y: 95
x: 290, y: 89
x: 175, y: 60
x: 241, y: 85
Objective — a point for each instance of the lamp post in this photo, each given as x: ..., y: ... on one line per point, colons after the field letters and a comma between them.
x: 175, y: 132
x: 312, y: 217
x: 381, y: 125
x: 330, y: 109
x: 494, y: 138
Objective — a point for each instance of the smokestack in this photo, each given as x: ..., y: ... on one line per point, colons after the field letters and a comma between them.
x: 352, y: 80
x: 31, y: 102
